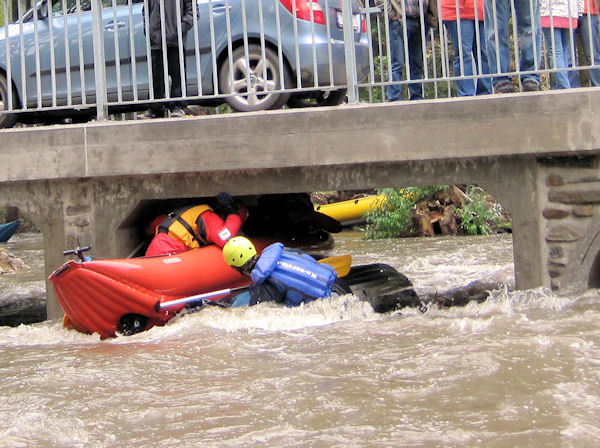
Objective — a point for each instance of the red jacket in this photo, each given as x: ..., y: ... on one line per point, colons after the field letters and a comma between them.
x: 589, y: 5
x: 216, y: 230
x: 465, y: 8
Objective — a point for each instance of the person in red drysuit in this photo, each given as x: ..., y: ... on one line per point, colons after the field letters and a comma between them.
x: 196, y: 226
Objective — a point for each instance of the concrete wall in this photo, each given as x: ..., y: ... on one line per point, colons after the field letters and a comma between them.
x: 83, y: 184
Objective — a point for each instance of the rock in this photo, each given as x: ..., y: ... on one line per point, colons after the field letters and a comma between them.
x: 590, y: 195
x: 562, y: 234
x: 583, y: 211
x: 554, y: 180
x: 554, y: 213
x: 9, y: 263
x: 23, y: 307
x: 477, y: 291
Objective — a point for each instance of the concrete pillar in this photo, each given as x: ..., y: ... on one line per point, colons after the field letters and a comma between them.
x: 517, y: 189
x: 54, y: 242
x: 66, y: 223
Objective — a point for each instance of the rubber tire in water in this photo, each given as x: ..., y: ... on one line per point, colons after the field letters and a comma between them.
x: 251, y: 95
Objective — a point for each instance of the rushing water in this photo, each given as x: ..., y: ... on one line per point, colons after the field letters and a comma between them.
x: 521, y: 369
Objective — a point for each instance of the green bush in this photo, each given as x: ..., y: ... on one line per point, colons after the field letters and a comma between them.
x: 479, y: 213
x: 393, y: 217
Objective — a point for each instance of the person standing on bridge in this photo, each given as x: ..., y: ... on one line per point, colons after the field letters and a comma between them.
x: 167, y: 30
x: 399, y: 23
x: 528, y: 45
x: 587, y: 34
x: 464, y: 23
x: 197, y: 226
x: 559, y: 19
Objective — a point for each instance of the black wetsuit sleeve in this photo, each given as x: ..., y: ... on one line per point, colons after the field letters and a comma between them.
x: 265, y: 292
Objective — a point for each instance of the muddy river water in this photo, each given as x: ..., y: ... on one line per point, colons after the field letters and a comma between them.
x: 521, y: 369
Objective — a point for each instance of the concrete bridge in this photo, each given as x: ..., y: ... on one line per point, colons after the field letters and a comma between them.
x: 537, y: 153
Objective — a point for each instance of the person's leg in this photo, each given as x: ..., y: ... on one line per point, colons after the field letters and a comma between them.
x: 415, y: 58
x: 175, y: 74
x: 174, y: 71
x: 529, y: 30
x: 556, y: 56
x: 464, y: 87
x: 394, y: 92
x: 566, y: 42
x: 569, y: 41
x: 574, y: 74
x: 588, y: 33
x: 497, y: 16
x: 158, y: 82
x: 484, y: 85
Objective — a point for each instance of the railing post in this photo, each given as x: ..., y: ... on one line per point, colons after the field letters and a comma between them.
x: 99, y: 65
x: 351, y: 81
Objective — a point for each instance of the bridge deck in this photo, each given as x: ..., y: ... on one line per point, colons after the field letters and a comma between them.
x: 537, y: 124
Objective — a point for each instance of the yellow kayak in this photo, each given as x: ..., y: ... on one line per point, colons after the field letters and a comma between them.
x: 352, y: 211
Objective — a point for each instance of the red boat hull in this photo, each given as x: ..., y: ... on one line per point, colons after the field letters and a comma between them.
x: 96, y: 294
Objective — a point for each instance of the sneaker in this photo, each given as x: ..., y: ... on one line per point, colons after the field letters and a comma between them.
x: 148, y: 115
x: 504, y: 87
x: 531, y: 85
x: 177, y: 112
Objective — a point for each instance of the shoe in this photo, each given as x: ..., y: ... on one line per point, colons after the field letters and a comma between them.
x: 504, y: 87
x: 149, y: 115
x: 531, y: 85
x: 177, y: 112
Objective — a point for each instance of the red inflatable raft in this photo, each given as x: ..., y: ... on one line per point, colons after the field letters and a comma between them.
x: 101, y: 296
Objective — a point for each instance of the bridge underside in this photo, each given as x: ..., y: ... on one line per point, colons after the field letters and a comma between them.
x: 536, y: 153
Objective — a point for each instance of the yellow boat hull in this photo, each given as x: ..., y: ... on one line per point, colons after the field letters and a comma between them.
x: 351, y: 211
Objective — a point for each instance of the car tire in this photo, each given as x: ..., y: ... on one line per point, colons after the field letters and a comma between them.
x: 316, y: 99
x: 253, y: 97
x: 6, y: 120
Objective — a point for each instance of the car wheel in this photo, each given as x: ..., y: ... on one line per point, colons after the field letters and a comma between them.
x: 315, y: 99
x: 6, y: 120
x: 249, y: 84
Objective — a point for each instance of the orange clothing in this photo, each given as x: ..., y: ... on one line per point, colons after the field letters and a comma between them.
x: 590, y: 7
x: 452, y: 9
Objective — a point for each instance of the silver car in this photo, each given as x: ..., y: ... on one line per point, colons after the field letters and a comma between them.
x: 258, y: 56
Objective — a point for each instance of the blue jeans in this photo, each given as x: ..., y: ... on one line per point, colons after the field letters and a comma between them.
x: 583, y: 33
x: 528, y: 29
x: 470, y: 50
x: 397, y: 56
x: 562, y: 54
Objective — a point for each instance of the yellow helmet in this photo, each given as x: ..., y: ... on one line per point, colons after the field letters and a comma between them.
x: 238, y: 251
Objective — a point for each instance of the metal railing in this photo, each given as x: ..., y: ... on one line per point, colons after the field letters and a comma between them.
x: 91, y: 58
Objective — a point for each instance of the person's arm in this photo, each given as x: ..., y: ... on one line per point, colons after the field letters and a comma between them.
x: 187, y: 21
x: 432, y: 14
x: 219, y: 231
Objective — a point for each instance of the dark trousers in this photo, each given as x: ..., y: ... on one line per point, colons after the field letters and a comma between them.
x: 158, y: 79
